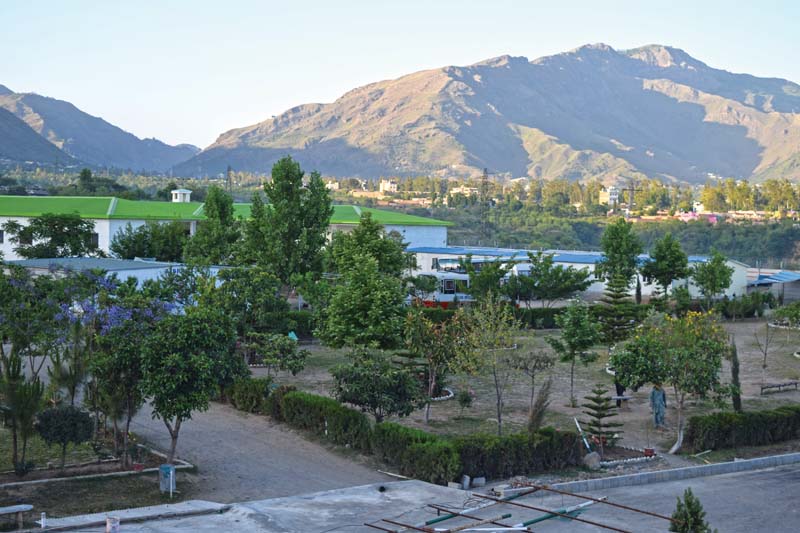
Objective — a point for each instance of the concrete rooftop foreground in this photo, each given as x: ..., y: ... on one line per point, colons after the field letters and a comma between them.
x: 762, y: 500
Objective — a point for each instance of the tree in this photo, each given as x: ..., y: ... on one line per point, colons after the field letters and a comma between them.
x: 579, y: 333
x: 23, y: 401
x: 689, y: 516
x: 618, y: 314
x: 621, y: 248
x: 54, y: 235
x: 296, y: 223
x: 685, y: 352
x: 736, y: 385
x: 599, y: 408
x: 213, y: 243
x: 555, y: 282
x: 183, y: 361
x: 445, y: 347
x: 162, y: 241
x: 366, y: 308
x: 493, y: 330
x: 64, y: 425
x: 370, y: 239
x: 667, y: 263
x: 484, y: 281
x: 378, y: 387
x: 531, y: 362
x: 277, y: 353
x: 764, y: 342
x: 712, y: 276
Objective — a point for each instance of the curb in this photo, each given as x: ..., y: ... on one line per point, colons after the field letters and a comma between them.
x: 661, y: 476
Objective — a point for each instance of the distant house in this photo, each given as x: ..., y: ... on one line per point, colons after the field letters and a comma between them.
x: 111, y: 215
x: 387, y: 186
x: 608, y: 196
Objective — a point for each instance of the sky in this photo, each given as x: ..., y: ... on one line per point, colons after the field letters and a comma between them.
x: 186, y: 71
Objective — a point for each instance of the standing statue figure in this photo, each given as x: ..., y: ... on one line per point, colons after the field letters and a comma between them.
x: 658, y: 403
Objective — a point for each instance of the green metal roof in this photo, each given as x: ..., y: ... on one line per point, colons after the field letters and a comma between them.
x: 107, y: 207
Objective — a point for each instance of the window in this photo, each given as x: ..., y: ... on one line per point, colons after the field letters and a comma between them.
x: 434, y: 261
x: 25, y: 240
x: 449, y: 286
x: 1, y: 237
x: 94, y: 240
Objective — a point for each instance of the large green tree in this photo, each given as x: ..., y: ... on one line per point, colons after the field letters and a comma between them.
x: 54, y: 235
x: 621, y: 248
x: 182, y: 363
x: 712, y: 277
x: 685, y: 352
x: 555, y: 282
x: 368, y: 238
x: 213, y: 242
x: 366, y: 308
x: 295, y: 223
x: 667, y: 263
x: 162, y: 241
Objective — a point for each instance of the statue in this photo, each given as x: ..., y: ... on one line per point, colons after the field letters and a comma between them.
x: 658, y: 404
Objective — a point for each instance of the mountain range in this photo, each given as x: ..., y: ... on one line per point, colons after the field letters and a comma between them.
x: 590, y: 112
x: 73, y: 136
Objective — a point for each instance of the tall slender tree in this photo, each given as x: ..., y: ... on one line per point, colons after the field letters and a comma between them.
x: 621, y: 248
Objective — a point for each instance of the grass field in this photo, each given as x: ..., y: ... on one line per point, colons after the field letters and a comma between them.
x: 40, y: 453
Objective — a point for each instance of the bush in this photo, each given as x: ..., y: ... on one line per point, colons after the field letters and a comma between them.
x: 250, y: 394
x: 328, y: 418
x: 436, y: 461
x: 390, y: 441
x: 749, y: 428
x: 538, y: 317
x: 64, y: 425
x: 438, y: 315
x: 274, y: 404
x: 519, y: 454
x: 302, y: 323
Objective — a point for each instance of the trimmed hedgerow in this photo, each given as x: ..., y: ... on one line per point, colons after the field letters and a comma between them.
x: 390, y: 441
x: 250, y: 394
x: 750, y: 428
x: 328, y: 418
x: 274, y: 404
x: 435, y: 461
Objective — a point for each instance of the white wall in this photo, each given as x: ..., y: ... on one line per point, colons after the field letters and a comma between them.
x: 421, y: 235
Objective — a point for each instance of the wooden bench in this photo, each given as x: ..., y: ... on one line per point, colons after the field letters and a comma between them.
x: 18, y: 510
x: 778, y: 387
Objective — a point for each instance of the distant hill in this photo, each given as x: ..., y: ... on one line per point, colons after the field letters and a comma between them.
x: 88, y: 138
x: 19, y: 143
x: 590, y: 112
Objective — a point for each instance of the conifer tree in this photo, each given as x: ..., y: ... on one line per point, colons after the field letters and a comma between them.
x: 689, y: 516
x: 618, y: 315
x: 599, y: 408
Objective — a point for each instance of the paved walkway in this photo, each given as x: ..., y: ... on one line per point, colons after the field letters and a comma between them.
x: 243, y: 457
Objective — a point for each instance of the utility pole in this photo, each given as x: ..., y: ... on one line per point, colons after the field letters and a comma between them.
x: 229, y: 180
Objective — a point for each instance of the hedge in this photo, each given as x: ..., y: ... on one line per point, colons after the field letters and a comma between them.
x: 390, y: 440
x: 250, y: 394
x: 538, y: 317
x: 328, y: 418
x: 750, y: 428
x: 301, y: 322
x: 274, y: 404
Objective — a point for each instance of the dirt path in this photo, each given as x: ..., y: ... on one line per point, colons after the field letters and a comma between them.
x: 244, y: 457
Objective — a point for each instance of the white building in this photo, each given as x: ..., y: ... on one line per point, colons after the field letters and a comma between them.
x: 111, y: 215
x: 389, y: 186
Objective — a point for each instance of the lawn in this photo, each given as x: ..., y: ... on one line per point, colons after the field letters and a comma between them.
x: 448, y: 418
x: 40, y: 453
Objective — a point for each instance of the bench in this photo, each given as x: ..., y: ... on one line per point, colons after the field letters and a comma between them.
x: 623, y: 399
x: 778, y: 387
x: 18, y: 510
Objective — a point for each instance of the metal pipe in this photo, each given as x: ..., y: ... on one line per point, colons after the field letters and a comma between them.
x: 602, y: 500
x: 541, y: 510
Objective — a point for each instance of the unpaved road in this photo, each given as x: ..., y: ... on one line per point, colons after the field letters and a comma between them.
x: 244, y: 457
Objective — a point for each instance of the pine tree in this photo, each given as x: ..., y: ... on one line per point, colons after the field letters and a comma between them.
x: 599, y: 408
x: 736, y: 385
x: 618, y: 314
x: 689, y: 516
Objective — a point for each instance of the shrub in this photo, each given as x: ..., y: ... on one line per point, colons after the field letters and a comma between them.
x: 435, y: 461
x: 328, y: 418
x: 538, y: 317
x: 437, y: 314
x: 274, y: 404
x: 250, y: 394
x: 390, y: 440
x: 749, y: 428
x: 302, y: 323
x: 64, y: 425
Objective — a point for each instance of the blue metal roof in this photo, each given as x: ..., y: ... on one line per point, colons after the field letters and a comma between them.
x: 784, y: 276
x: 560, y: 256
x: 90, y: 263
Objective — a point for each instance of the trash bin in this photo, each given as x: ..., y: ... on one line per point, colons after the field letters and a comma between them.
x: 166, y: 478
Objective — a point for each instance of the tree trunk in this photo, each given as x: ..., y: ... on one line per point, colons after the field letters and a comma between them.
x: 533, y: 390
x: 499, y: 394
x: 63, y: 455
x: 173, y: 433
x: 679, y: 442
x: 431, y: 388
x: 572, y: 400
x: 14, y: 444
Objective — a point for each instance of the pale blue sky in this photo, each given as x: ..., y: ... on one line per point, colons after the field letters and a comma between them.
x: 185, y: 71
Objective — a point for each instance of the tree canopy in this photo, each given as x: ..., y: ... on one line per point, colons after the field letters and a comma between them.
x: 54, y: 235
x: 621, y: 248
